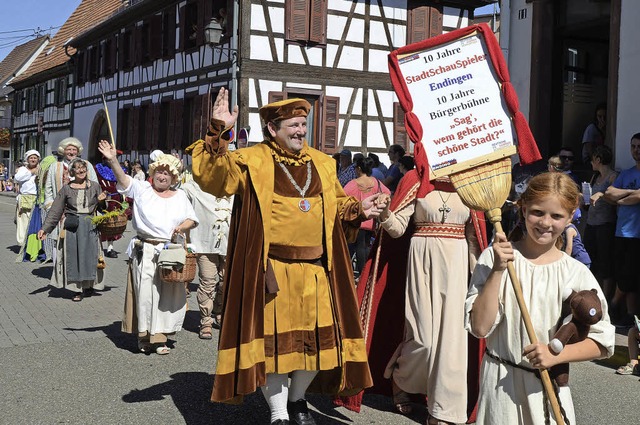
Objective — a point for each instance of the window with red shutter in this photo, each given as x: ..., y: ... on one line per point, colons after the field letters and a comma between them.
x: 330, y: 123
x: 297, y: 20
x: 423, y: 22
x: 318, y: 22
x: 168, y: 32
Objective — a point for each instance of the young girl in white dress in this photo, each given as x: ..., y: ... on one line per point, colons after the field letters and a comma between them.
x: 510, y: 391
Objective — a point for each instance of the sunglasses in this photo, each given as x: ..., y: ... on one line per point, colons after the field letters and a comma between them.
x: 566, y: 158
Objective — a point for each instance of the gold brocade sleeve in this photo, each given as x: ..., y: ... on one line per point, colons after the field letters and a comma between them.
x: 214, y: 168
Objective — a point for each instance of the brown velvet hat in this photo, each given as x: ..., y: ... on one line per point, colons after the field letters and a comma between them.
x: 284, y: 109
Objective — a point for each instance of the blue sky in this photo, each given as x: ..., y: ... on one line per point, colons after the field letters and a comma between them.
x: 23, y: 17
x: 19, y: 15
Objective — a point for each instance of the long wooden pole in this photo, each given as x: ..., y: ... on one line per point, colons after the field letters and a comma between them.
x: 494, y: 217
x: 106, y: 111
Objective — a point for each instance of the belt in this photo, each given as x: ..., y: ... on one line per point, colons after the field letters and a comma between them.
x: 440, y: 230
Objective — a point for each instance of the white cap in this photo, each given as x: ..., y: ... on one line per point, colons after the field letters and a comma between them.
x: 28, y: 153
x: 153, y: 156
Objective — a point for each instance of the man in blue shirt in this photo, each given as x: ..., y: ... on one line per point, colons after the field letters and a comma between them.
x: 625, y: 193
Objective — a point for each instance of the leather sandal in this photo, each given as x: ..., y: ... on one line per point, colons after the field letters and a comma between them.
x: 205, y: 332
x: 77, y: 297
x: 401, y: 400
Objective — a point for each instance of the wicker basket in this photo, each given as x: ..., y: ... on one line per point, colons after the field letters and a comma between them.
x: 113, y: 226
x: 186, y: 274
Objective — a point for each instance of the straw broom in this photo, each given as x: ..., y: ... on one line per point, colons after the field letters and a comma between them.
x: 486, y: 188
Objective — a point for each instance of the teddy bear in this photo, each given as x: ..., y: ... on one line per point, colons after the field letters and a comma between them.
x: 586, y: 310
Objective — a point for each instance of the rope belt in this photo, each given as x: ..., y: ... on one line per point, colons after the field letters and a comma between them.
x: 536, y: 372
x: 440, y: 230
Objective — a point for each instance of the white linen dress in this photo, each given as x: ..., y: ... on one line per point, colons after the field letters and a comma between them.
x: 160, y: 306
x: 432, y: 359
x: 509, y: 395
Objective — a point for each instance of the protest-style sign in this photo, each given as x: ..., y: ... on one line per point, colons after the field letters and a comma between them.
x: 458, y: 101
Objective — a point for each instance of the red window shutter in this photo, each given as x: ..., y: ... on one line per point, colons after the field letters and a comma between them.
x: 113, y: 53
x: 183, y: 27
x: 196, y: 120
x: 176, y: 138
x: 138, y: 49
x: 134, y: 129
x: 330, y: 121
x: 154, y: 127
x: 120, y: 126
x: 171, y: 126
x: 318, y: 23
x: 417, y: 24
x: 205, y: 102
x: 277, y: 96
x: 121, y: 50
x: 399, y: 131
x: 435, y: 21
x: 155, y: 25
x: 297, y: 20
x: 171, y: 32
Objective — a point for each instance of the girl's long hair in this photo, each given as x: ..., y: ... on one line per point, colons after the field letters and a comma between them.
x: 541, y: 186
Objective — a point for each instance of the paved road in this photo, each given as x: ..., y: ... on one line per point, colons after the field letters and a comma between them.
x: 65, y: 362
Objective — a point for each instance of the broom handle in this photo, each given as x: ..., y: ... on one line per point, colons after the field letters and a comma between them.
x: 544, y: 373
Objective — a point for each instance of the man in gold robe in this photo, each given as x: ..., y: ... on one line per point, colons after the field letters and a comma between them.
x: 290, y: 309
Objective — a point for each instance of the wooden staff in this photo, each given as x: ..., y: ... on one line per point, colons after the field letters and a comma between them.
x: 106, y: 111
x: 486, y: 188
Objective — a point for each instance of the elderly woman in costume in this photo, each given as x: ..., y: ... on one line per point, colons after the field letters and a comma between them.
x: 26, y: 177
x: 68, y: 149
x: 159, y: 214
x: 77, y: 201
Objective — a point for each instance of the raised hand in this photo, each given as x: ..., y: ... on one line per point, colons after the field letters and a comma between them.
x: 107, y: 150
x: 221, y: 109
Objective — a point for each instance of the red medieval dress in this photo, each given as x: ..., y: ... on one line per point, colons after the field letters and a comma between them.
x: 382, y: 300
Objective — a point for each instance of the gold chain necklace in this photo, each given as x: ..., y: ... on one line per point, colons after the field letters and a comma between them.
x: 303, y: 204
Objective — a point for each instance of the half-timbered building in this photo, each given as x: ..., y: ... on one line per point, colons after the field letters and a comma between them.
x: 43, y: 96
x: 159, y: 75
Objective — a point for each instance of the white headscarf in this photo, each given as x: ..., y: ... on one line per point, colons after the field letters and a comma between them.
x: 28, y: 153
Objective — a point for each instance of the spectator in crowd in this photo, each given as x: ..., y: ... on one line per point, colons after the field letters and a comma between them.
x: 599, y: 234
x: 633, y: 339
x: 137, y: 172
x: 555, y: 164
x: 361, y: 187
x: 76, y: 201
x: 625, y: 193
x: 26, y: 199
x: 347, y: 171
x: 595, y: 132
x: 394, y: 175
x: 379, y: 170
x: 9, y: 185
x: 567, y: 157
x: 154, y: 309
x: 210, y: 241
x: 406, y: 164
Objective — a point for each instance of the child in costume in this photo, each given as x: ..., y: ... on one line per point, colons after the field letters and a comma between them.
x: 511, y: 391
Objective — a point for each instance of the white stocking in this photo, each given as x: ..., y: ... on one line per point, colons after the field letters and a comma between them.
x: 300, y: 381
x: 275, y: 392
x: 110, y: 247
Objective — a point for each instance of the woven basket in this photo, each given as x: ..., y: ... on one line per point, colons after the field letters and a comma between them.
x: 113, y: 226
x: 185, y: 274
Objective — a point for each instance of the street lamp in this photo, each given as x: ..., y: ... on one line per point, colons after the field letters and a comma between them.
x: 213, y: 33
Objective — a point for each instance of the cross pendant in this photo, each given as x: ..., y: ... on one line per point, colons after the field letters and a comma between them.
x: 444, y: 209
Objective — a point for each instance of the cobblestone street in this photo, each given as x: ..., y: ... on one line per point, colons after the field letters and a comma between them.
x: 66, y: 362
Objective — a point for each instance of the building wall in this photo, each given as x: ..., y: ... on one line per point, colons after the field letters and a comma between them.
x: 628, y: 87
x: 516, y: 45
